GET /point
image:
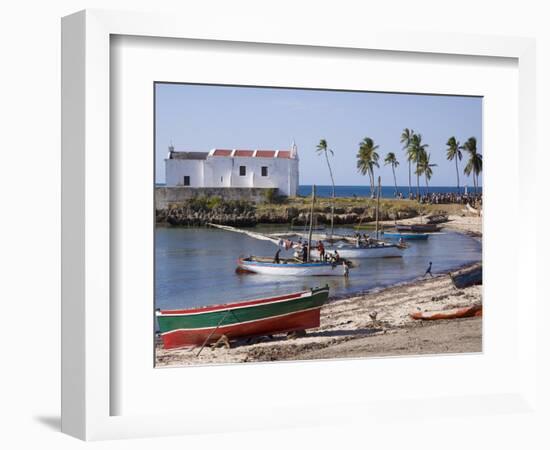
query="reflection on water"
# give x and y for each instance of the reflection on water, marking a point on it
(196, 266)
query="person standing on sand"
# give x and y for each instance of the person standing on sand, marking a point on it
(429, 270)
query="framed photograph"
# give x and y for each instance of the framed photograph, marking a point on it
(250, 218)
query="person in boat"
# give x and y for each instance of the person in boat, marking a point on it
(429, 270)
(304, 252)
(321, 250)
(401, 241)
(358, 240)
(336, 256)
(277, 259)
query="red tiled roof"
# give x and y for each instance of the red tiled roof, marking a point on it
(246, 153)
(284, 154)
(222, 152)
(265, 154)
(250, 153)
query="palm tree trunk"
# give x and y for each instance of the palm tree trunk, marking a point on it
(427, 187)
(394, 179)
(409, 178)
(371, 176)
(457, 178)
(333, 197)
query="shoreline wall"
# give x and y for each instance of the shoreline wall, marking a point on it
(170, 197)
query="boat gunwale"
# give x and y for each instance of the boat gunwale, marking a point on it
(240, 304)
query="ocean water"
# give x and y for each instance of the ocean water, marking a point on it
(196, 266)
(385, 191)
(364, 191)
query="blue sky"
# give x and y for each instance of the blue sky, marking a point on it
(199, 118)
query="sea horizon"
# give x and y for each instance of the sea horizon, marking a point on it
(387, 191)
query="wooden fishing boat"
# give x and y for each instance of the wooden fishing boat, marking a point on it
(380, 249)
(199, 326)
(468, 277)
(437, 218)
(418, 227)
(407, 236)
(291, 267)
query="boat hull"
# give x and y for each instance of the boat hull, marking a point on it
(408, 236)
(185, 328)
(468, 277)
(418, 227)
(388, 251)
(292, 270)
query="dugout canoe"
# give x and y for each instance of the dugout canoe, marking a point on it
(261, 317)
(470, 311)
(467, 277)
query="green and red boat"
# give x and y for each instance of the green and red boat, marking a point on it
(261, 317)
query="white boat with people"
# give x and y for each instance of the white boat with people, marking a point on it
(292, 267)
(380, 249)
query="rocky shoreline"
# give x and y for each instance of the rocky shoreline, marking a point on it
(250, 216)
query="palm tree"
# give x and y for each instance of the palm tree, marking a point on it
(416, 152)
(392, 159)
(425, 168)
(406, 138)
(322, 148)
(475, 161)
(367, 160)
(453, 152)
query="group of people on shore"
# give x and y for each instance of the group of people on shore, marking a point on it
(437, 198)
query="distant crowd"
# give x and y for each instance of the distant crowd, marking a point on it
(437, 198)
(450, 197)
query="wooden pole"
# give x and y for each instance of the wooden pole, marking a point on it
(310, 224)
(377, 207)
(212, 332)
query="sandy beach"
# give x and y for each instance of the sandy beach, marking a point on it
(348, 331)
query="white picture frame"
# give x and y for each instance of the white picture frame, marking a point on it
(87, 319)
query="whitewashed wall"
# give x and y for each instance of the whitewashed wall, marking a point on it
(282, 174)
(176, 169)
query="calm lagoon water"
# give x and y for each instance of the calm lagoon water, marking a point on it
(196, 266)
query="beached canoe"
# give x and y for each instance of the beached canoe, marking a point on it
(407, 236)
(467, 277)
(469, 311)
(266, 316)
(293, 267)
(418, 227)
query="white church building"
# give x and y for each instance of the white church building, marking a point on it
(234, 168)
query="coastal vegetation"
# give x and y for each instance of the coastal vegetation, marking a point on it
(424, 167)
(474, 165)
(406, 139)
(454, 153)
(367, 160)
(322, 148)
(392, 160)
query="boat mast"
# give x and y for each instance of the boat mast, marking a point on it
(377, 206)
(310, 223)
